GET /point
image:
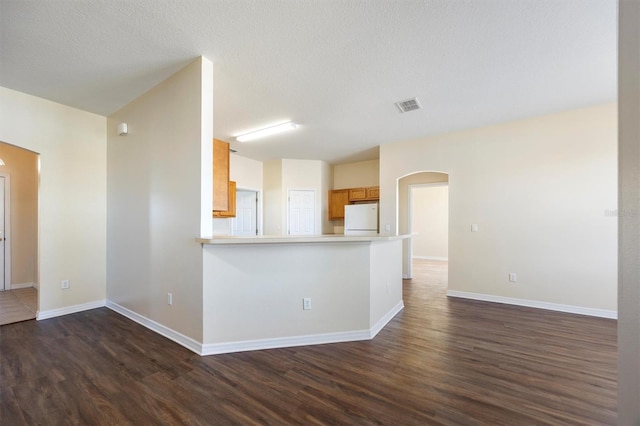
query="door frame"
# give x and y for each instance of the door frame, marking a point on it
(7, 230)
(315, 208)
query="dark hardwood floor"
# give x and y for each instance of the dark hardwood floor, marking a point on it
(439, 361)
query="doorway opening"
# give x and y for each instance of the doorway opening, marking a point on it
(408, 217)
(19, 175)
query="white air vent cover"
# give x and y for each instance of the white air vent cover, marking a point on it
(408, 105)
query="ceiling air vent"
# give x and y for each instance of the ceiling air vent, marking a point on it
(408, 105)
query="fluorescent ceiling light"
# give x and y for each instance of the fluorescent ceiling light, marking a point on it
(266, 132)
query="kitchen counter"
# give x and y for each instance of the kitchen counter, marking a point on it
(294, 239)
(254, 288)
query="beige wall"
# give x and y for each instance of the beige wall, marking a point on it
(159, 199)
(430, 221)
(72, 204)
(538, 189)
(273, 210)
(355, 175)
(22, 166)
(280, 176)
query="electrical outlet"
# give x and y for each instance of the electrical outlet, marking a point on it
(513, 277)
(306, 303)
(64, 284)
(387, 227)
(474, 227)
(169, 299)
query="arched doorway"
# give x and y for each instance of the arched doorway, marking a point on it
(404, 213)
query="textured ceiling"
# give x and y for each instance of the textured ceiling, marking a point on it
(336, 67)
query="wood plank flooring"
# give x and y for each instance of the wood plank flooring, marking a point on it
(18, 305)
(440, 361)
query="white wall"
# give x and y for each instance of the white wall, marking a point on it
(356, 175)
(430, 221)
(262, 306)
(159, 199)
(246, 172)
(538, 189)
(72, 203)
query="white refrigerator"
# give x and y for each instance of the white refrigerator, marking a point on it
(361, 219)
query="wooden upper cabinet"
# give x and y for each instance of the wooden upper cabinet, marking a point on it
(357, 194)
(373, 193)
(231, 212)
(220, 175)
(338, 198)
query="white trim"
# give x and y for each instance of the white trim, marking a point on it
(446, 259)
(253, 345)
(285, 342)
(23, 285)
(42, 315)
(406, 277)
(7, 230)
(313, 339)
(162, 330)
(602, 313)
(385, 319)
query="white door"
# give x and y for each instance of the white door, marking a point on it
(302, 204)
(246, 220)
(2, 235)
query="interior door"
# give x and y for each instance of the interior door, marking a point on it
(246, 220)
(302, 205)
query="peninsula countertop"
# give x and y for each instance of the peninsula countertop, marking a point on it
(297, 239)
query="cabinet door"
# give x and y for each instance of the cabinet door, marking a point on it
(220, 175)
(338, 198)
(232, 203)
(357, 194)
(373, 193)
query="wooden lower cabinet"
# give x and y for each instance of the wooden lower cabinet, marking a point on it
(338, 198)
(232, 203)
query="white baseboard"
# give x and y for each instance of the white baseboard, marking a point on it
(446, 259)
(163, 330)
(602, 313)
(385, 319)
(284, 342)
(23, 285)
(312, 339)
(406, 277)
(253, 345)
(42, 315)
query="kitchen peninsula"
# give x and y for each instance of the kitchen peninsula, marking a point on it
(254, 289)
